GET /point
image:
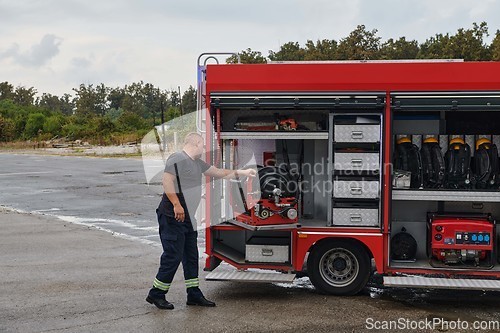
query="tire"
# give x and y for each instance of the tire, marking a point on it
(339, 267)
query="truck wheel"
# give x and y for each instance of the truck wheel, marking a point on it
(339, 267)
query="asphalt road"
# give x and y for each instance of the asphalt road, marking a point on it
(60, 270)
(106, 193)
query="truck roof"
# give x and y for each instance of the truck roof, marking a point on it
(400, 76)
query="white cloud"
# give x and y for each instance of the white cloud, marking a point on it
(38, 55)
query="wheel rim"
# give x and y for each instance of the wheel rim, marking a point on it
(339, 267)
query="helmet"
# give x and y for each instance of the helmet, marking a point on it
(483, 141)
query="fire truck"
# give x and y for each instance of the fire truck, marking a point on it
(394, 169)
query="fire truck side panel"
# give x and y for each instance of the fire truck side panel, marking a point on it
(307, 239)
(338, 78)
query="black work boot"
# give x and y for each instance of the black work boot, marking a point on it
(161, 303)
(195, 297)
(201, 301)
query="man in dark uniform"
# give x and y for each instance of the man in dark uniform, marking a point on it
(177, 224)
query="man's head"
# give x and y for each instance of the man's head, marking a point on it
(194, 144)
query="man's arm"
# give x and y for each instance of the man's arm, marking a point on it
(169, 189)
(228, 174)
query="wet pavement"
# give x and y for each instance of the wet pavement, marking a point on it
(61, 272)
(107, 193)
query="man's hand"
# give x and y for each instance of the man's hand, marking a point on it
(247, 173)
(179, 212)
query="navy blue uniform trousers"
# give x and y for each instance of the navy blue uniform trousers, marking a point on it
(179, 242)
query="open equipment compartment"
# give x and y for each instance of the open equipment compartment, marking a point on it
(267, 131)
(303, 131)
(453, 222)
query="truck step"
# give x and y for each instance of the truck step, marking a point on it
(440, 283)
(222, 274)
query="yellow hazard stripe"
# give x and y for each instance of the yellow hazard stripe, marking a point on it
(160, 285)
(192, 283)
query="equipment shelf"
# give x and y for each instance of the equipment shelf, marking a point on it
(288, 135)
(446, 195)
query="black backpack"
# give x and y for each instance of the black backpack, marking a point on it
(486, 165)
(457, 160)
(407, 158)
(432, 164)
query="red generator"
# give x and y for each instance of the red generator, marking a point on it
(461, 240)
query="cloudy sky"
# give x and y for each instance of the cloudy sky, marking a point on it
(54, 45)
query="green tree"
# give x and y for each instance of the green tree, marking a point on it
(114, 114)
(361, 44)
(7, 129)
(189, 100)
(290, 51)
(67, 104)
(129, 121)
(174, 99)
(115, 98)
(134, 99)
(172, 113)
(91, 100)
(153, 100)
(325, 49)
(34, 125)
(436, 47)
(103, 125)
(24, 96)
(399, 49)
(54, 124)
(467, 44)
(495, 47)
(247, 56)
(49, 102)
(6, 91)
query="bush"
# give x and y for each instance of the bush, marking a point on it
(76, 131)
(53, 125)
(103, 125)
(7, 129)
(34, 125)
(129, 121)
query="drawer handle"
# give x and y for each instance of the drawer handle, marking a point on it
(357, 135)
(357, 163)
(356, 218)
(267, 252)
(356, 190)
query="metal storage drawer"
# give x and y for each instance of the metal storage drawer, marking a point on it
(357, 133)
(356, 189)
(363, 217)
(267, 253)
(356, 161)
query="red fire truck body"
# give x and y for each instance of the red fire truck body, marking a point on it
(345, 234)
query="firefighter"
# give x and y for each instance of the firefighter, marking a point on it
(177, 224)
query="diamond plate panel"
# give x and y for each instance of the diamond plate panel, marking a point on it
(248, 276)
(355, 217)
(356, 161)
(440, 283)
(356, 189)
(266, 253)
(357, 133)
